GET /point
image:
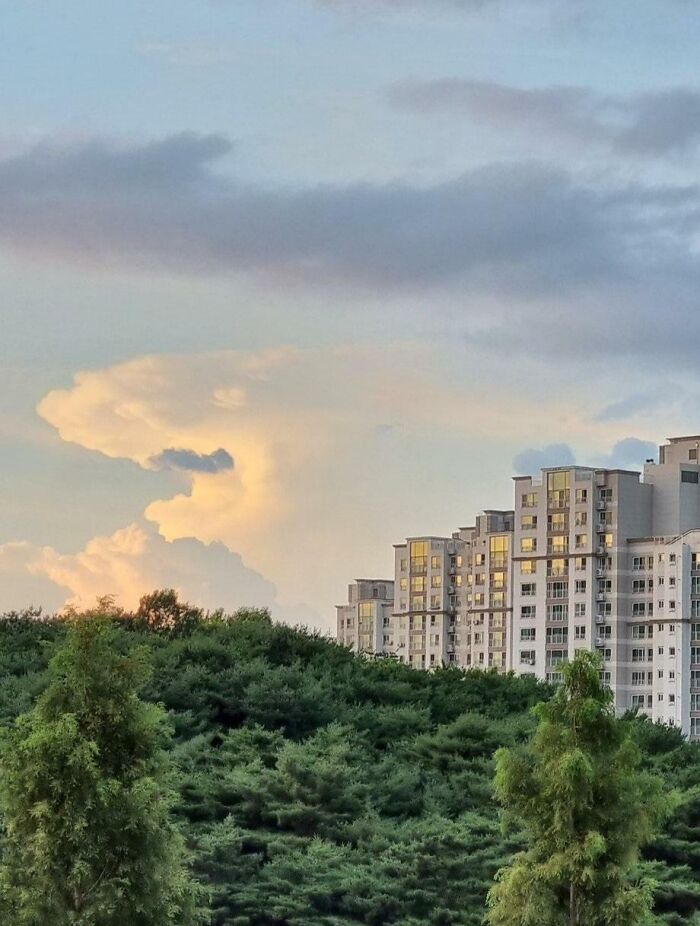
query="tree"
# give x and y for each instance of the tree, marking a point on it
(85, 801)
(586, 810)
(162, 610)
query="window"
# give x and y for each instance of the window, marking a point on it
(527, 657)
(558, 635)
(434, 602)
(435, 581)
(639, 632)
(479, 559)
(528, 544)
(638, 609)
(639, 586)
(558, 613)
(528, 522)
(403, 584)
(607, 540)
(580, 564)
(605, 495)
(404, 563)
(559, 544)
(639, 678)
(529, 500)
(527, 633)
(581, 518)
(557, 590)
(580, 632)
(558, 484)
(639, 655)
(497, 580)
(581, 496)
(580, 609)
(527, 567)
(689, 476)
(581, 541)
(435, 562)
(695, 654)
(527, 589)
(528, 611)
(580, 587)
(557, 567)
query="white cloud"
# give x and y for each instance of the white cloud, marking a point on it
(129, 563)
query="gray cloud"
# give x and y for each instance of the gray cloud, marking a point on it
(629, 453)
(628, 406)
(523, 227)
(569, 255)
(651, 124)
(188, 460)
(529, 462)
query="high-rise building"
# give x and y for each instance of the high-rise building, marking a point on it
(589, 558)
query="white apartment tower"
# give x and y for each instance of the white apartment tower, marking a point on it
(589, 558)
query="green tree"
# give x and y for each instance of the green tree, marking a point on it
(85, 801)
(162, 610)
(586, 810)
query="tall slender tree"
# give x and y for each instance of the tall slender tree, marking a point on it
(585, 808)
(85, 801)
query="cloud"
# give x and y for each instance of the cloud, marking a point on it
(629, 406)
(129, 563)
(529, 462)
(318, 490)
(628, 453)
(649, 125)
(190, 461)
(516, 231)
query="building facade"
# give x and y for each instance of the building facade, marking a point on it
(597, 559)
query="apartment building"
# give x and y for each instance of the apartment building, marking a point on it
(589, 558)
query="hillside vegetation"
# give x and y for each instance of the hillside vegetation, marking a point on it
(318, 788)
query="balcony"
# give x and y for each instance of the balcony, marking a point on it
(558, 499)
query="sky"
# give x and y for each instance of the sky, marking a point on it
(286, 281)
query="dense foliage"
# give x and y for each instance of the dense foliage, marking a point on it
(317, 788)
